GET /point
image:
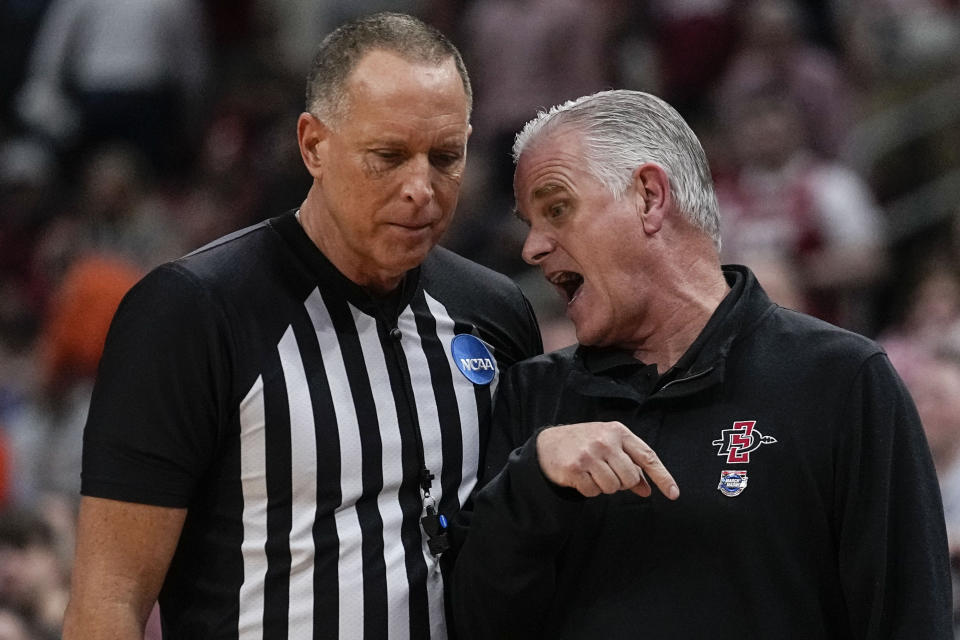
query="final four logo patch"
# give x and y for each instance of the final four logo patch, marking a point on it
(473, 358)
(732, 483)
(739, 441)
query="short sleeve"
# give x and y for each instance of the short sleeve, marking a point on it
(160, 403)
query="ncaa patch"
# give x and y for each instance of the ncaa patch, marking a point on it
(732, 483)
(473, 358)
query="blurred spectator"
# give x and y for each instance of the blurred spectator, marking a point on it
(28, 180)
(900, 40)
(131, 70)
(47, 432)
(6, 469)
(953, 241)
(786, 202)
(935, 386)
(523, 55)
(19, 20)
(13, 626)
(71, 341)
(526, 55)
(33, 577)
(224, 191)
(773, 50)
(247, 167)
(118, 210)
(17, 367)
(693, 43)
(232, 24)
(932, 308)
(296, 24)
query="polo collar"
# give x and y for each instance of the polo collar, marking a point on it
(702, 365)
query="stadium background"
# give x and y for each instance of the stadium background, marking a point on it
(132, 131)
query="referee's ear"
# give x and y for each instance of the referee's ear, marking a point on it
(312, 136)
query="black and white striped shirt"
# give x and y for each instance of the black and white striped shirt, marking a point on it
(253, 384)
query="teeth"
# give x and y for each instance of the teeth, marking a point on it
(568, 281)
(564, 277)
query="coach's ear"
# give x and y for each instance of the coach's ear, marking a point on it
(652, 196)
(312, 136)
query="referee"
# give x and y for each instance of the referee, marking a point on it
(285, 419)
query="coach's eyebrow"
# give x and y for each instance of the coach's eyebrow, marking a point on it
(546, 190)
(538, 194)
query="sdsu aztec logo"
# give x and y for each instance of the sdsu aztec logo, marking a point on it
(473, 358)
(739, 441)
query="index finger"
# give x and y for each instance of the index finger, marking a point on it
(645, 458)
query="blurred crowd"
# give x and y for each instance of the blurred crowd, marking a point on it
(132, 131)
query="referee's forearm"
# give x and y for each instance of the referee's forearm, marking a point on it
(102, 620)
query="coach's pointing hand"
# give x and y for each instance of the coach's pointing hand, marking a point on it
(601, 457)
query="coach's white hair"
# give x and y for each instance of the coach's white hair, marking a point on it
(623, 129)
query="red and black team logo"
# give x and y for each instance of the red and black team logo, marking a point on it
(740, 440)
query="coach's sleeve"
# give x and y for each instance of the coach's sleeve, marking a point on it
(159, 398)
(892, 539)
(505, 574)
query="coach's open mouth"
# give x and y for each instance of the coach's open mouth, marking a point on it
(568, 282)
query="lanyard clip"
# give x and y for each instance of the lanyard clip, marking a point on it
(435, 526)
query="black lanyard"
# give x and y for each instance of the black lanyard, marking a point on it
(433, 522)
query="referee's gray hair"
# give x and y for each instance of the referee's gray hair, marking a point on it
(341, 51)
(623, 129)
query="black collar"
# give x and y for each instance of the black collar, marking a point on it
(601, 360)
(329, 277)
(702, 364)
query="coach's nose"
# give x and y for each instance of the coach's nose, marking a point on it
(537, 246)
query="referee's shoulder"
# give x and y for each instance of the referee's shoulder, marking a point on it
(226, 254)
(445, 267)
(215, 271)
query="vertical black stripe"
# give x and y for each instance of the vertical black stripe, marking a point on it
(325, 540)
(410, 503)
(451, 430)
(276, 597)
(375, 621)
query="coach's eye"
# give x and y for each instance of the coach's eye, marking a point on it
(556, 210)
